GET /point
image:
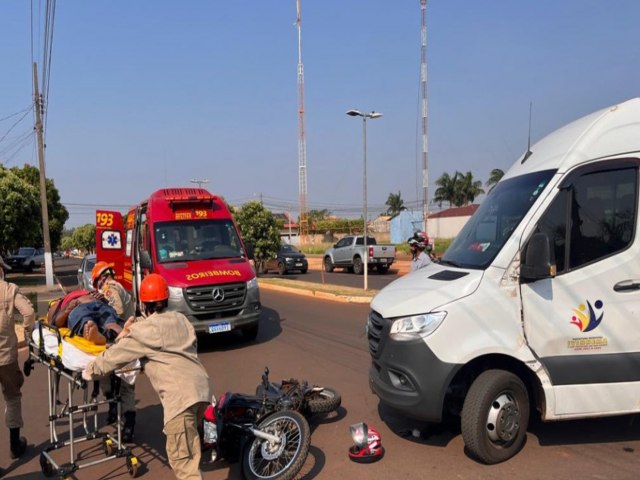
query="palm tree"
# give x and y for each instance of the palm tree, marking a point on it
(494, 177)
(395, 204)
(468, 189)
(446, 191)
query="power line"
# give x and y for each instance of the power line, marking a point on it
(14, 125)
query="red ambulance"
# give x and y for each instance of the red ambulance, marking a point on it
(188, 236)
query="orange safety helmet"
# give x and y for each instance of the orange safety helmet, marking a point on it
(154, 288)
(98, 270)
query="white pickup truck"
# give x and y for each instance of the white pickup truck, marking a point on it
(349, 253)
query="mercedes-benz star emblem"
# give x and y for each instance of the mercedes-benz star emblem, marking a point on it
(217, 294)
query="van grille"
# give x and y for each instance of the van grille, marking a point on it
(375, 327)
(207, 298)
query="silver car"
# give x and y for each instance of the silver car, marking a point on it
(84, 272)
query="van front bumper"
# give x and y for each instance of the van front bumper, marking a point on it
(409, 378)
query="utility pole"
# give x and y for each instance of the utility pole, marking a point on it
(199, 181)
(48, 260)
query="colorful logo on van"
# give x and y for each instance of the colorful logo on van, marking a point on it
(589, 320)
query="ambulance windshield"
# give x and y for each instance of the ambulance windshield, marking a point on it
(183, 241)
(490, 227)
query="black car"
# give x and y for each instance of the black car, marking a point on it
(289, 258)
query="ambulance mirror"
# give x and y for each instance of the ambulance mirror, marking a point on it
(145, 260)
(539, 261)
(250, 250)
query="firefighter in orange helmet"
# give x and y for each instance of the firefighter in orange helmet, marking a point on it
(165, 342)
(104, 281)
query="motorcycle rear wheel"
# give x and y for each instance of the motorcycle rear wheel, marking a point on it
(324, 401)
(263, 460)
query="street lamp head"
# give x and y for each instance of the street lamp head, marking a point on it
(355, 113)
(374, 115)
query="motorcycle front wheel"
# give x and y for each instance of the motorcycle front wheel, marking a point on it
(280, 460)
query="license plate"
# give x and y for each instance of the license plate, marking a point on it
(298, 264)
(219, 327)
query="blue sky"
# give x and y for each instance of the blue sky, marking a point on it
(150, 94)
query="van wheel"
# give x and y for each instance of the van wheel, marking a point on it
(328, 264)
(495, 416)
(358, 267)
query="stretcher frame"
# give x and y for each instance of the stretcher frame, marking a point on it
(113, 447)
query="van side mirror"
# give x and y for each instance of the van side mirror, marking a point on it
(539, 260)
(145, 260)
(250, 250)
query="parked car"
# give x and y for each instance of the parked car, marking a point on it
(289, 258)
(349, 253)
(84, 272)
(27, 258)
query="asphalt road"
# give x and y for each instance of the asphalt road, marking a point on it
(324, 342)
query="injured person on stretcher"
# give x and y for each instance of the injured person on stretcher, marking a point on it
(88, 315)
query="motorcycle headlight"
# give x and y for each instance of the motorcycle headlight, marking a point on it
(175, 293)
(408, 328)
(253, 283)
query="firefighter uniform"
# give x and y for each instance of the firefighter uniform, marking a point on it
(11, 378)
(166, 345)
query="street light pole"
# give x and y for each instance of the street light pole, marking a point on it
(365, 116)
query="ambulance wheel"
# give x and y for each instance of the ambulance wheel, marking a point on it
(45, 466)
(495, 416)
(250, 333)
(107, 447)
(132, 466)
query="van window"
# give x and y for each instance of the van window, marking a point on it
(601, 209)
(484, 235)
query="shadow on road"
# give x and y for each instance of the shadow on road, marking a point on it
(269, 329)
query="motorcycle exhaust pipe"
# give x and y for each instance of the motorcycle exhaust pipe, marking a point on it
(265, 436)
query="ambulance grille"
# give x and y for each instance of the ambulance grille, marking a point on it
(216, 298)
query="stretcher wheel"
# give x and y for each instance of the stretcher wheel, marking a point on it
(107, 445)
(45, 466)
(132, 466)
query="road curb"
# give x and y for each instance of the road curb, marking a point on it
(316, 293)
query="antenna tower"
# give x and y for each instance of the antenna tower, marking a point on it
(423, 98)
(302, 143)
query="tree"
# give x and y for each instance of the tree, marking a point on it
(19, 212)
(315, 216)
(259, 228)
(447, 188)
(467, 189)
(58, 214)
(395, 204)
(494, 177)
(84, 237)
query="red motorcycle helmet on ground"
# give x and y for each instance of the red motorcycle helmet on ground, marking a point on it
(368, 444)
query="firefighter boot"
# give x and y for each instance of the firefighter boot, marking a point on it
(18, 444)
(129, 425)
(112, 416)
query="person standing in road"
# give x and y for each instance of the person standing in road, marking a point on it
(104, 281)
(166, 345)
(418, 244)
(11, 377)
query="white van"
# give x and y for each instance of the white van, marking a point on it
(535, 305)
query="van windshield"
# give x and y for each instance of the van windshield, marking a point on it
(196, 240)
(486, 232)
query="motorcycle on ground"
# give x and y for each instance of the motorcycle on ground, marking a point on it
(299, 395)
(271, 441)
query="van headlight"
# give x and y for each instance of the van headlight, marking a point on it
(175, 293)
(253, 283)
(407, 328)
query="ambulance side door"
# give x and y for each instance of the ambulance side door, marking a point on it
(584, 324)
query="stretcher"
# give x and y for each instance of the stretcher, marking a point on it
(65, 357)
